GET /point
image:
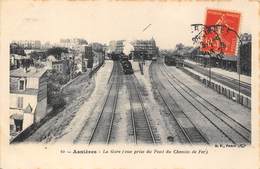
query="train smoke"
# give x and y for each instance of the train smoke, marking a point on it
(128, 47)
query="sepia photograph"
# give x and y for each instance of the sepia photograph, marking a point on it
(151, 73)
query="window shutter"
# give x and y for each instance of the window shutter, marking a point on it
(20, 102)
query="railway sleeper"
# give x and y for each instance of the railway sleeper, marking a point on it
(194, 135)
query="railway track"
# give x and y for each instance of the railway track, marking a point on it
(142, 129)
(111, 74)
(232, 129)
(186, 130)
(103, 125)
(245, 88)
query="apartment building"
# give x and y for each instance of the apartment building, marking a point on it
(28, 98)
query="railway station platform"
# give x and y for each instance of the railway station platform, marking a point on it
(234, 75)
(227, 87)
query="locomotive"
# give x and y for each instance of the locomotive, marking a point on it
(127, 66)
(114, 56)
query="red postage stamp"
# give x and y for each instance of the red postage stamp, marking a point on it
(220, 34)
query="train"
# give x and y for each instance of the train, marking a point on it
(115, 56)
(174, 60)
(127, 66)
(118, 56)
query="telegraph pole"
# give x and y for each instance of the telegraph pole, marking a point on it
(239, 69)
(209, 69)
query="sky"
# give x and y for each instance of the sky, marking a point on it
(105, 21)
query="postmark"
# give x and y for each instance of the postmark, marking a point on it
(219, 35)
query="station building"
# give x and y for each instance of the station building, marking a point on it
(226, 62)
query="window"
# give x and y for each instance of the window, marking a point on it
(11, 127)
(21, 84)
(20, 102)
(19, 125)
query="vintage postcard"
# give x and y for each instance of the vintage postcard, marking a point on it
(130, 84)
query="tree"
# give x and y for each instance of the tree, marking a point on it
(56, 52)
(38, 55)
(55, 96)
(179, 46)
(58, 78)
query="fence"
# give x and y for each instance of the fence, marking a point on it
(229, 93)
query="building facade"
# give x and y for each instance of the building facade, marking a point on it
(17, 61)
(116, 47)
(74, 43)
(29, 44)
(61, 66)
(28, 98)
(145, 48)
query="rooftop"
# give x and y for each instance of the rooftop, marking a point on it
(31, 72)
(27, 91)
(228, 58)
(16, 56)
